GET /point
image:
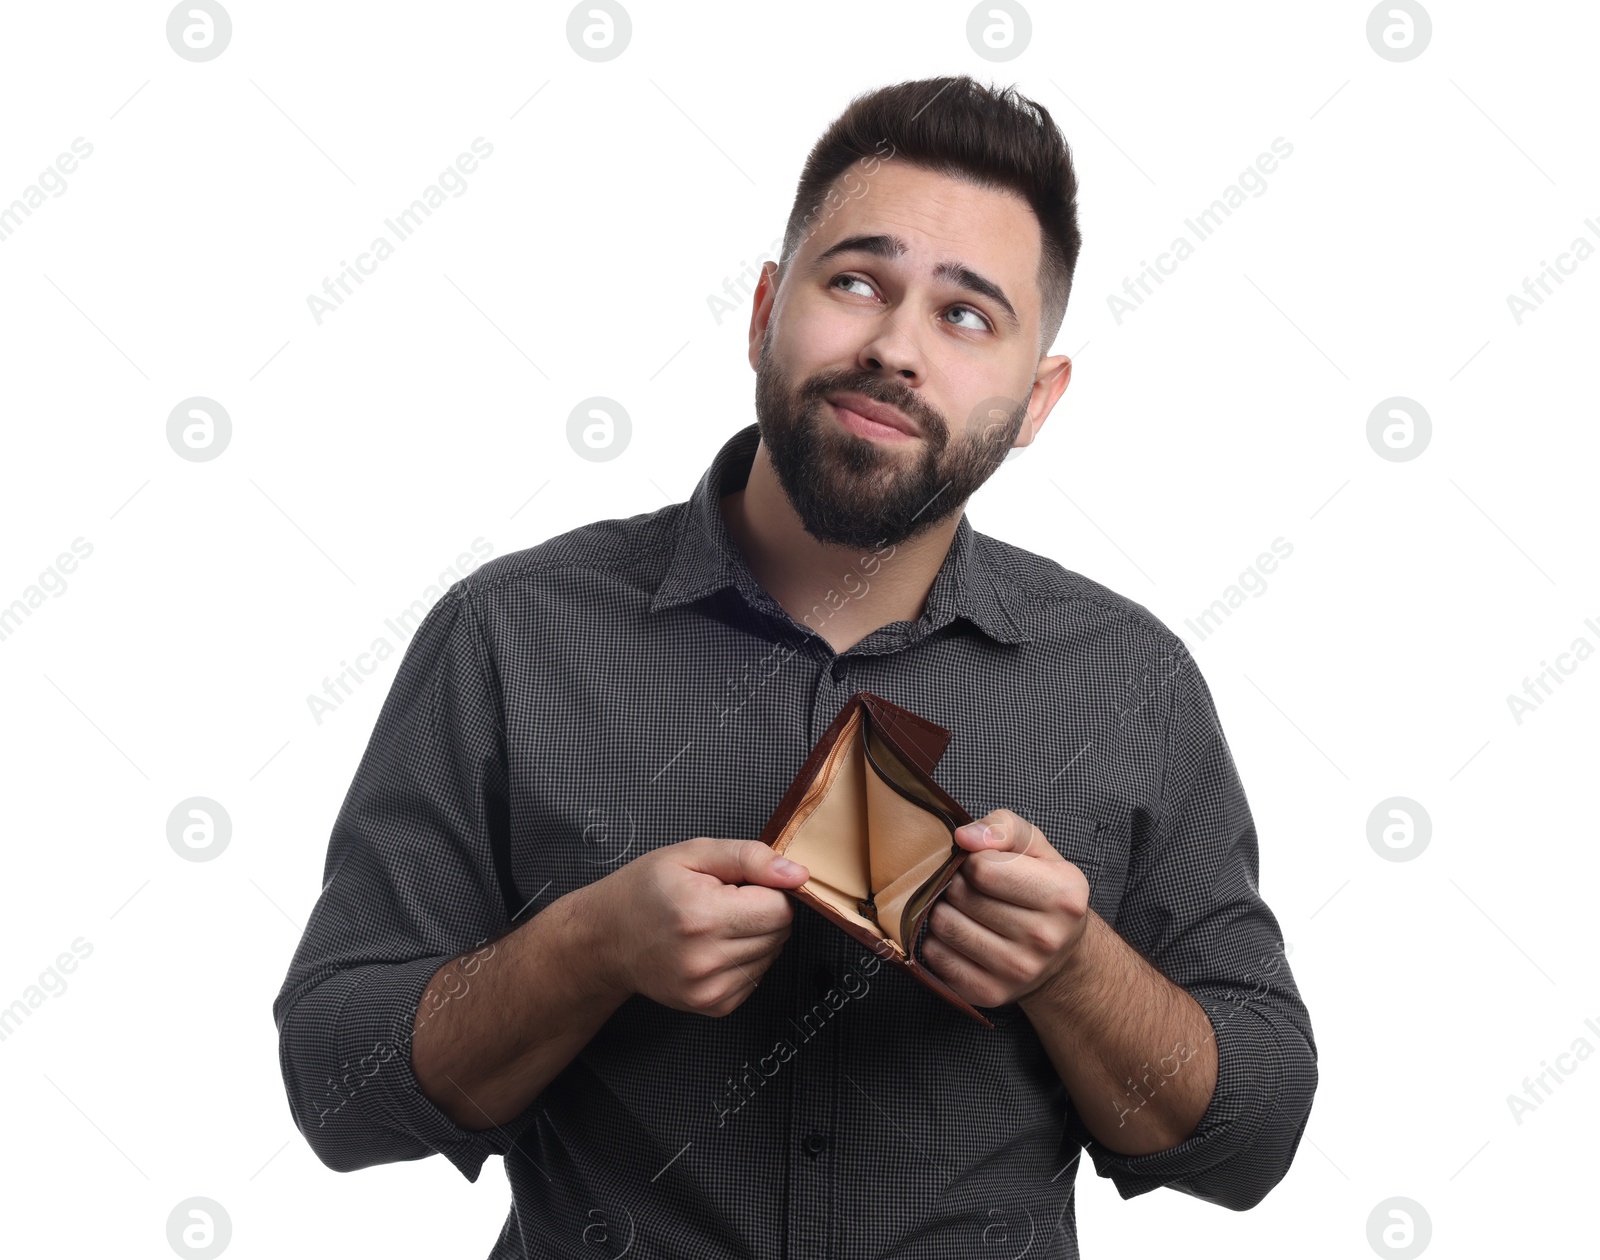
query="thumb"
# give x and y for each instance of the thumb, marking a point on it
(746, 862)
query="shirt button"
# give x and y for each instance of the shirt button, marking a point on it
(815, 1143)
(822, 978)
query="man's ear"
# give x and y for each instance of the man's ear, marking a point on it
(761, 309)
(1049, 384)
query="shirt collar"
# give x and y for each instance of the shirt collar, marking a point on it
(705, 559)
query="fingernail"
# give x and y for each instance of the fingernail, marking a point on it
(785, 867)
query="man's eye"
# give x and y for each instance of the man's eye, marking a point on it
(981, 323)
(837, 280)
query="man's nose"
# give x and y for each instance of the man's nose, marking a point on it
(892, 350)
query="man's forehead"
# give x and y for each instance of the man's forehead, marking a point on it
(935, 216)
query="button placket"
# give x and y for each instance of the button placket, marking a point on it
(812, 1093)
(827, 694)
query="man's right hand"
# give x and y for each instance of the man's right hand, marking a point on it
(696, 924)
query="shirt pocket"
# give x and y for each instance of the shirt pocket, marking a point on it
(1096, 846)
(1099, 848)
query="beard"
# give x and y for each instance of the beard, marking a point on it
(854, 492)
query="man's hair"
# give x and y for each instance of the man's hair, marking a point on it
(956, 126)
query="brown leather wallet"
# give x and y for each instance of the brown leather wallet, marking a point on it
(865, 817)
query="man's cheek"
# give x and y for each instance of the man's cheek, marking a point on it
(819, 332)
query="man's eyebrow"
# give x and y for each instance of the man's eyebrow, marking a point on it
(959, 274)
(880, 245)
(964, 277)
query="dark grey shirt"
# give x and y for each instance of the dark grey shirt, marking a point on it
(628, 685)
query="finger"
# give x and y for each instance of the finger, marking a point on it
(1027, 882)
(729, 911)
(746, 963)
(751, 954)
(743, 862)
(984, 948)
(749, 910)
(960, 972)
(1005, 831)
(1002, 915)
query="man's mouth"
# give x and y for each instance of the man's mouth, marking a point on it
(868, 418)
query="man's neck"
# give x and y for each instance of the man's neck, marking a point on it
(825, 586)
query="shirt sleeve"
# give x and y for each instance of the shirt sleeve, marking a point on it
(409, 883)
(1193, 909)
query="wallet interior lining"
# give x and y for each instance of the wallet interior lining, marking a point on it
(858, 829)
(895, 769)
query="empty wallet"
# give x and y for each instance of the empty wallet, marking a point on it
(867, 820)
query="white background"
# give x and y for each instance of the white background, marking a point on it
(430, 409)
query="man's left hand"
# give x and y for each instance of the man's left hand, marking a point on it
(1011, 919)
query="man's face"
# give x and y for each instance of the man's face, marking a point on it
(919, 293)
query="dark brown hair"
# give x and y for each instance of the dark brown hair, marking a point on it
(956, 126)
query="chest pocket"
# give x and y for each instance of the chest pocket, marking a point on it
(1099, 849)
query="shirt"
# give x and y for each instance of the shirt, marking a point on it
(629, 684)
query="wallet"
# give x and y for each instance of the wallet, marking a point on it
(866, 818)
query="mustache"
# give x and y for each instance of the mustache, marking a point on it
(879, 390)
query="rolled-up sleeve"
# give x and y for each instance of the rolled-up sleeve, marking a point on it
(409, 883)
(1192, 907)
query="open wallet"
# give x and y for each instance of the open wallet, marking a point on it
(865, 817)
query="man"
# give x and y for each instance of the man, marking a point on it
(547, 932)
